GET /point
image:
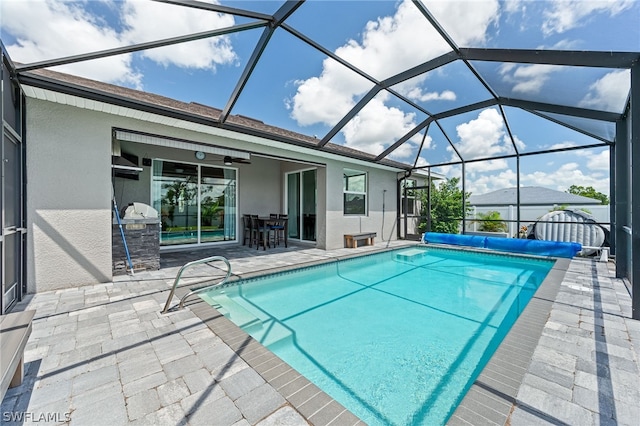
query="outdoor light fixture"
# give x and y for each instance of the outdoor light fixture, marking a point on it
(227, 161)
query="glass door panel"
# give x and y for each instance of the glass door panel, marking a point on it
(293, 204)
(197, 204)
(217, 204)
(309, 205)
(11, 206)
(175, 196)
(301, 205)
(11, 252)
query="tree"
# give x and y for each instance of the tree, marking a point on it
(491, 222)
(446, 207)
(588, 191)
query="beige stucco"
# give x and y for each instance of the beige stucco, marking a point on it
(68, 197)
(69, 210)
(339, 224)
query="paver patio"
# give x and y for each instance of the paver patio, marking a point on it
(104, 354)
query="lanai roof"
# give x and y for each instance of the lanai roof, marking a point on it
(384, 107)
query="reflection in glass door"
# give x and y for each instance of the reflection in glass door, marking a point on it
(197, 204)
(217, 204)
(301, 204)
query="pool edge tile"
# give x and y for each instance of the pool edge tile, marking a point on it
(531, 322)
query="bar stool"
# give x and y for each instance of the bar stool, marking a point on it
(278, 228)
(258, 232)
(246, 233)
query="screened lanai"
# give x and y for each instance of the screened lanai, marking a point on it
(495, 94)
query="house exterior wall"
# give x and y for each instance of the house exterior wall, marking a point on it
(339, 224)
(68, 197)
(69, 210)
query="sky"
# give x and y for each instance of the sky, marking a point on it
(301, 89)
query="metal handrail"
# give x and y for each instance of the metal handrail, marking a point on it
(188, 265)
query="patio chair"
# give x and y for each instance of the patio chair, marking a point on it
(258, 230)
(246, 233)
(278, 228)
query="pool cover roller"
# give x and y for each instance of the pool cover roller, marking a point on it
(514, 245)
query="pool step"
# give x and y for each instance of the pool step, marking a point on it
(269, 333)
(232, 310)
(410, 254)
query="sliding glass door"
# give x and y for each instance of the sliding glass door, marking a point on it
(301, 204)
(197, 204)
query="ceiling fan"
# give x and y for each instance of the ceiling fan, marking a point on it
(230, 160)
(227, 159)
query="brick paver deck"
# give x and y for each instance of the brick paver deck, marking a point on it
(104, 354)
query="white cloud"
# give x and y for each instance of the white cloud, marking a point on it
(327, 98)
(558, 179)
(564, 44)
(417, 94)
(568, 14)
(566, 175)
(491, 182)
(561, 145)
(515, 6)
(377, 126)
(483, 136)
(56, 28)
(599, 161)
(149, 20)
(422, 162)
(405, 153)
(527, 79)
(486, 166)
(594, 159)
(466, 22)
(609, 93)
(51, 29)
(387, 47)
(519, 143)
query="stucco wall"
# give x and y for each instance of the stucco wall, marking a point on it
(69, 190)
(338, 224)
(68, 197)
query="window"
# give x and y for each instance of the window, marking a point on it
(355, 192)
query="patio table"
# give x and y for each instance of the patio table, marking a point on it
(267, 222)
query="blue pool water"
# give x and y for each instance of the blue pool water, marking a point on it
(396, 337)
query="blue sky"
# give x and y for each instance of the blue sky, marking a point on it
(299, 88)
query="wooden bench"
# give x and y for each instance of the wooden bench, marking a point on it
(351, 240)
(15, 329)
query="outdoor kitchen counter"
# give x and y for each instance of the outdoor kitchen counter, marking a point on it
(143, 241)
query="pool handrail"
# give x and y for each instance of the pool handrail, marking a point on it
(188, 265)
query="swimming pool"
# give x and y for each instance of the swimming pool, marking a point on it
(396, 337)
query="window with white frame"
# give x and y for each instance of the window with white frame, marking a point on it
(355, 192)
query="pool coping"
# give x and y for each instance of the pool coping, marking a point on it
(491, 397)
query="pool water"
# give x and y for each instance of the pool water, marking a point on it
(396, 337)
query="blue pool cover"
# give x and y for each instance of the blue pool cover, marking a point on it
(514, 245)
